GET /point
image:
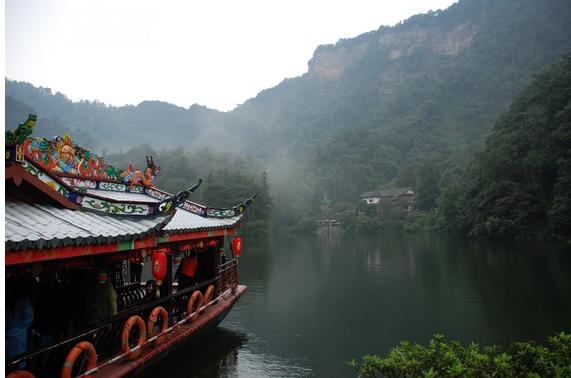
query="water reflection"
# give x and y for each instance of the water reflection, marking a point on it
(314, 303)
(329, 236)
(221, 348)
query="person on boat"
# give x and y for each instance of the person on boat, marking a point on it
(186, 272)
(151, 290)
(19, 317)
(105, 298)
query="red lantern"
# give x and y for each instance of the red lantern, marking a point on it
(237, 247)
(159, 260)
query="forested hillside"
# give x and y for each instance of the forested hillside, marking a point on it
(520, 185)
(373, 109)
(156, 121)
(400, 105)
(228, 180)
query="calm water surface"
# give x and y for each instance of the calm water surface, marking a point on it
(314, 303)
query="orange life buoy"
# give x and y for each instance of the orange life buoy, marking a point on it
(158, 311)
(208, 295)
(20, 374)
(83, 347)
(125, 347)
(194, 303)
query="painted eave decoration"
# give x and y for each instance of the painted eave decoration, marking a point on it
(88, 187)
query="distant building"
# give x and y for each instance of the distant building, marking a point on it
(392, 195)
(371, 198)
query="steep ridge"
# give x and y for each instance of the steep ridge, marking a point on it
(370, 109)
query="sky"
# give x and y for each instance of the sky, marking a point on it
(214, 53)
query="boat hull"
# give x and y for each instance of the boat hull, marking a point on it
(180, 336)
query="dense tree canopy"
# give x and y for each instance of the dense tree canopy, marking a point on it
(520, 185)
(228, 180)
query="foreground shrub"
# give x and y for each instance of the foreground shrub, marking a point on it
(443, 358)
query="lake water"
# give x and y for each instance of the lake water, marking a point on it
(316, 302)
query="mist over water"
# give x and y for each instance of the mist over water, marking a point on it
(314, 303)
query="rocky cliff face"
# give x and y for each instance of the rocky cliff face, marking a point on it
(329, 62)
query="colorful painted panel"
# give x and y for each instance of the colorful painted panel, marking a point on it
(62, 155)
(136, 189)
(194, 208)
(116, 208)
(220, 213)
(45, 179)
(157, 194)
(14, 153)
(112, 186)
(236, 210)
(79, 183)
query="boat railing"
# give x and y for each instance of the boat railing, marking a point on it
(228, 274)
(106, 335)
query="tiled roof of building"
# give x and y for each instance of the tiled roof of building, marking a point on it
(185, 221)
(392, 192)
(396, 192)
(370, 195)
(123, 196)
(61, 194)
(182, 221)
(44, 226)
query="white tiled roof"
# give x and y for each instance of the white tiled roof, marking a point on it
(123, 196)
(40, 226)
(186, 221)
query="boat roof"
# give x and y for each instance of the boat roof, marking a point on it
(32, 225)
(61, 194)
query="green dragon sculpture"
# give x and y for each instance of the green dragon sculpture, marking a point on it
(23, 131)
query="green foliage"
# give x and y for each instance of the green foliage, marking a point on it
(520, 185)
(390, 216)
(443, 358)
(395, 113)
(228, 180)
(428, 187)
(226, 188)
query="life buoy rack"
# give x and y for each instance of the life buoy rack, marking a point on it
(158, 311)
(194, 303)
(82, 347)
(20, 374)
(134, 320)
(208, 295)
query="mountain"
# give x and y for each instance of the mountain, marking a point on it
(113, 128)
(372, 108)
(370, 111)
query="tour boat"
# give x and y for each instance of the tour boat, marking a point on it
(78, 233)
